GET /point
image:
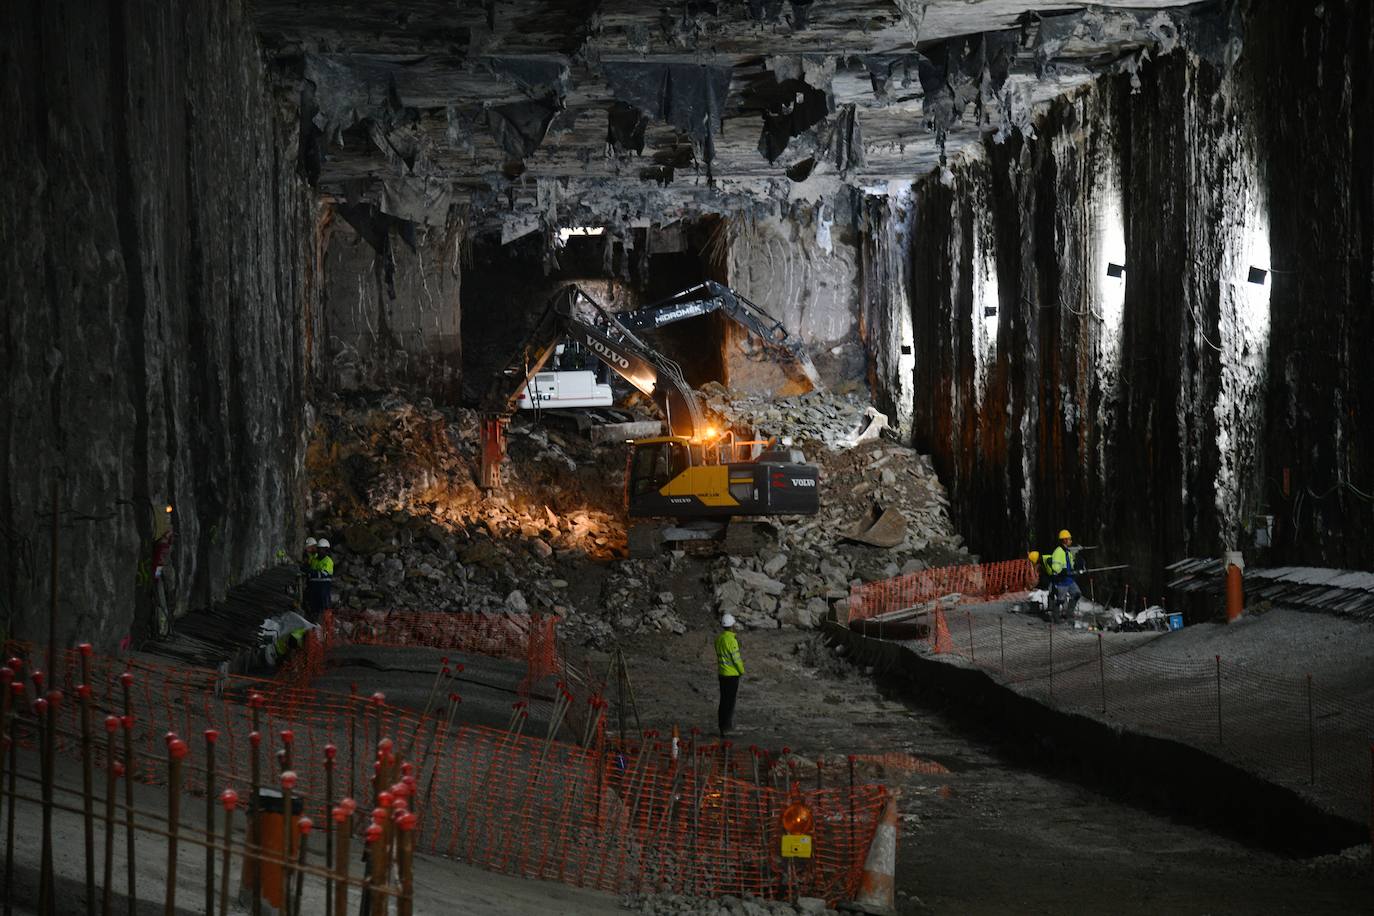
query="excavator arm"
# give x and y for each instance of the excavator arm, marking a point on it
(710, 296)
(573, 314)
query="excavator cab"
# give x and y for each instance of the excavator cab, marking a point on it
(680, 477)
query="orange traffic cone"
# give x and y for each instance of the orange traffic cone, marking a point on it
(942, 641)
(878, 888)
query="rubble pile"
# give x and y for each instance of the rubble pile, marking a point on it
(796, 582)
(394, 489)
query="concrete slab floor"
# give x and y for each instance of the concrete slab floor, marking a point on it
(989, 836)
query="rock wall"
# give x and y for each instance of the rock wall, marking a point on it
(1159, 410)
(155, 276)
(803, 270)
(391, 311)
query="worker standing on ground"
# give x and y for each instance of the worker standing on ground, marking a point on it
(319, 582)
(730, 668)
(1060, 566)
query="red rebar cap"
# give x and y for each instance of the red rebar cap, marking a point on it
(287, 736)
(127, 722)
(288, 780)
(385, 798)
(15, 664)
(177, 749)
(229, 799)
(85, 649)
(454, 698)
(83, 691)
(399, 805)
(40, 706)
(446, 672)
(385, 745)
(37, 678)
(409, 782)
(254, 738)
(407, 768)
(339, 814)
(374, 833)
(378, 698)
(211, 736)
(112, 724)
(169, 737)
(379, 816)
(256, 699)
(127, 679)
(461, 667)
(305, 825)
(407, 821)
(17, 688)
(330, 752)
(400, 790)
(118, 770)
(443, 660)
(348, 805)
(55, 698)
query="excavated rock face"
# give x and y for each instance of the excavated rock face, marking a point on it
(154, 282)
(1090, 349)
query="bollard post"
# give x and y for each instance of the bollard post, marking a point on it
(229, 799)
(288, 783)
(211, 736)
(341, 816)
(376, 846)
(83, 693)
(1311, 738)
(1102, 673)
(293, 905)
(16, 693)
(405, 862)
(176, 752)
(112, 769)
(329, 753)
(126, 681)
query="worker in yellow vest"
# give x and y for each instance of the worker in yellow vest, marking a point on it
(730, 668)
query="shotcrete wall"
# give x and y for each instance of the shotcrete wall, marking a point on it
(1160, 412)
(154, 275)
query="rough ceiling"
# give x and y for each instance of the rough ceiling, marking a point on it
(507, 103)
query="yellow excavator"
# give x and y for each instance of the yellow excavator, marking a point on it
(697, 483)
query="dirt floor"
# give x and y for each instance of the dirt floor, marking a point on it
(988, 836)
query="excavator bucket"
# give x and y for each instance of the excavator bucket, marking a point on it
(879, 528)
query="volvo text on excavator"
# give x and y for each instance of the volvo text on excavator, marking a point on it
(699, 477)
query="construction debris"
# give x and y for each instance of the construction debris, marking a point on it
(748, 905)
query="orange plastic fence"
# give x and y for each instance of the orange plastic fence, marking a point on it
(970, 583)
(701, 818)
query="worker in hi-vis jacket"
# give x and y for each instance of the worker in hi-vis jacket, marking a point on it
(730, 667)
(1061, 567)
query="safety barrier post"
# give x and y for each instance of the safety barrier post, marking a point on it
(83, 692)
(971, 657)
(176, 752)
(210, 737)
(329, 754)
(1002, 641)
(229, 799)
(112, 770)
(126, 681)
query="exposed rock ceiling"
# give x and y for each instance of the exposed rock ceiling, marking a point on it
(509, 102)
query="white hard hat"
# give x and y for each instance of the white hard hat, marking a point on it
(323, 543)
(727, 621)
(310, 542)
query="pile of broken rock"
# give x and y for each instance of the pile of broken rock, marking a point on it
(748, 905)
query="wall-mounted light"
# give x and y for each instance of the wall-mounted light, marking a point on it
(989, 311)
(1116, 271)
(906, 349)
(1258, 276)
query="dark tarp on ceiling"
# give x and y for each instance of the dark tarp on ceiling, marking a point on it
(789, 108)
(536, 77)
(625, 126)
(519, 127)
(691, 97)
(955, 72)
(883, 68)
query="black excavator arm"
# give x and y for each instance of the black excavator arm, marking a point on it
(573, 314)
(710, 296)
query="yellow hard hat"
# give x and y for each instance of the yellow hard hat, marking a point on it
(1064, 534)
(1033, 556)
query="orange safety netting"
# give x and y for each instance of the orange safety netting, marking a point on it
(961, 584)
(659, 815)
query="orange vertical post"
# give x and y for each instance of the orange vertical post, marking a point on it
(1235, 593)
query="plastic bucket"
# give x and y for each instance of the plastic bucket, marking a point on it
(1176, 621)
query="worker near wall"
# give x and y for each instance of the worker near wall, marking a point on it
(319, 581)
(730, 668)
(1061, 566)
